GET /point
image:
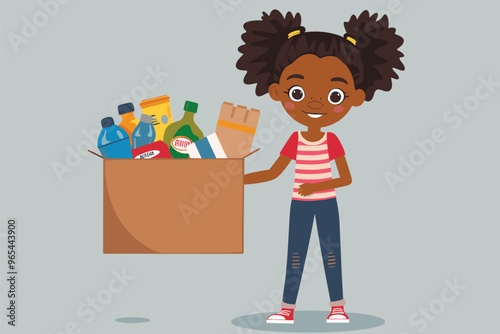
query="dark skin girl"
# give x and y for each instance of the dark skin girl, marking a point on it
(316, 92)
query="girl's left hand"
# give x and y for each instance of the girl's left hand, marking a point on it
(306, 189)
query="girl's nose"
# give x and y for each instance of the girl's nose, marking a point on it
(315, 105)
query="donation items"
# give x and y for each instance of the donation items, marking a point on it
(156, 135)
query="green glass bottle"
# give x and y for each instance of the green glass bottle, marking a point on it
(182, 133)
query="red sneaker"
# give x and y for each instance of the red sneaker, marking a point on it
(285, 316)
(337, 315)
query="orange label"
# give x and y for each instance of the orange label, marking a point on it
(236, 126)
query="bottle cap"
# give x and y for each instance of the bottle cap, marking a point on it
(107, 122)
(146, 118)
(191, 106)
(125, 108)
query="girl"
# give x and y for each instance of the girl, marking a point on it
(317, 77)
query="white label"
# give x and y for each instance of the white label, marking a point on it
(180, 143)
(148, 154)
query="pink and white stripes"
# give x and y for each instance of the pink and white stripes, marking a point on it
(312, 165)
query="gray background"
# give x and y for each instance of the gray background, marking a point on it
(398, 246)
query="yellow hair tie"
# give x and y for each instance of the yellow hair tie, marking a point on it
(293, 33)
(352, 40)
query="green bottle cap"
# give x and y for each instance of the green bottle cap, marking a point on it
(191, 106)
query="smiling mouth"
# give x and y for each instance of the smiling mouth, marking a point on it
(313, 115)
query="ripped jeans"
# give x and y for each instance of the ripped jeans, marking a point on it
(302, 214)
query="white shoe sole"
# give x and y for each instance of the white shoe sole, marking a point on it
(328, 321)
(279, 321)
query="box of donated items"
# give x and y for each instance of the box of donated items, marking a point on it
(164, 198)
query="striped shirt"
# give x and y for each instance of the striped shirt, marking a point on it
(312, 162)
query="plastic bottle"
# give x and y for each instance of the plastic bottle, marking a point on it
(129, 122)
(179, 135)
(144, 132)
(113, 141)
(159, 108)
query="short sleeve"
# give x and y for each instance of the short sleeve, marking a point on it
(290, 148)
(335, 148)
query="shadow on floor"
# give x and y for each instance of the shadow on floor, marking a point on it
(308, 321)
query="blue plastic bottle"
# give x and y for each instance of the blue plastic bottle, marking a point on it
(144, 133)
(113, 142)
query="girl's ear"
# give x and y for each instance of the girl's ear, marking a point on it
(274, 92)
(358, 97)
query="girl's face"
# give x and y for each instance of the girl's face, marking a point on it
(317, 92)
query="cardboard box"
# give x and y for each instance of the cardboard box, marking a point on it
(173, 206)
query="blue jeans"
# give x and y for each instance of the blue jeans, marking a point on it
(302, 214)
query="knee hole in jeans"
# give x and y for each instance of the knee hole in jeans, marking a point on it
(331, 261)
(295, 260)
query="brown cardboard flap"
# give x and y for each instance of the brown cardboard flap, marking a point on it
(100, 156)
(249, 154)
